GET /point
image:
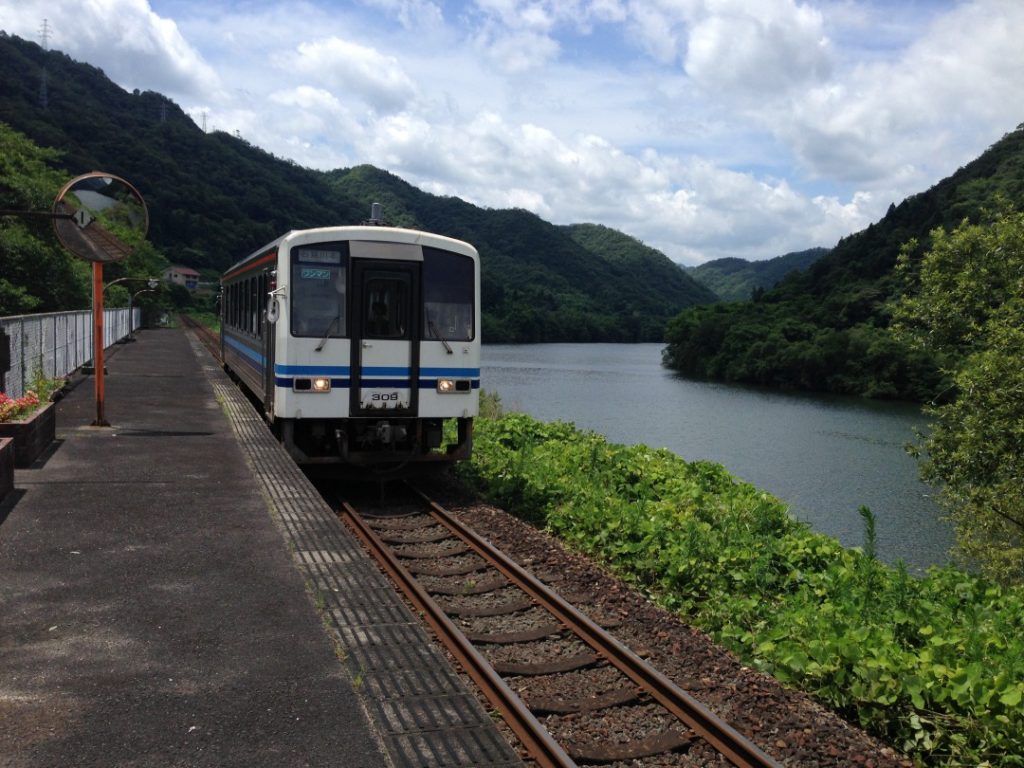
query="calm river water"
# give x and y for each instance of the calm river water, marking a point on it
(824, 456)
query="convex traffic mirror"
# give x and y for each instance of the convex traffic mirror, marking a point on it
(100, 217)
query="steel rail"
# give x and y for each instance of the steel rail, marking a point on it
(739, 750)
(208, 338)
(535, 738)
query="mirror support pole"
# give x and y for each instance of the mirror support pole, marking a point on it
(97, 340)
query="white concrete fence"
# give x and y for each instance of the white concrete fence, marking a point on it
(56, 344)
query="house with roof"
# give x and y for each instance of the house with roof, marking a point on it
(185, 276)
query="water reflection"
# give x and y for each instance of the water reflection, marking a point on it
(823, 455)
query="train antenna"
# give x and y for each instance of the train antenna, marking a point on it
(376, 215)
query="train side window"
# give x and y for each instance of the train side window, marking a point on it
(385, 308)
(261, 291)
(318, 290)
(242, 296)
(448, 281)
(254, 305)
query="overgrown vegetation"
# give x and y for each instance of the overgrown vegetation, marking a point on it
(205, 317)
(966, 304)
(934, 666)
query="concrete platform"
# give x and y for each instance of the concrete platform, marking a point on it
(173, 592)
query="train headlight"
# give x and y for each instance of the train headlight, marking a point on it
(317, 384)
(451, 386)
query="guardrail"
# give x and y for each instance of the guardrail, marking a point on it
(54, 344)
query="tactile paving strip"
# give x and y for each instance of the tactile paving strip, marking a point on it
(421, 709)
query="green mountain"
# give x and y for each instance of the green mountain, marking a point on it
(214, 198)
(660, 276)
(826, 328)
(735, 279)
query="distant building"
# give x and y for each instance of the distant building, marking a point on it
(182, 276)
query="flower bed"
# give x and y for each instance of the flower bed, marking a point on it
(32, 426)
(12, 409)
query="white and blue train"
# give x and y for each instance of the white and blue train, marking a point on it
(359, 342)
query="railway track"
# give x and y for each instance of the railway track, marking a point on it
(209, 339)
(556, 676)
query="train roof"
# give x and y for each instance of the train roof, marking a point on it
(359, 232)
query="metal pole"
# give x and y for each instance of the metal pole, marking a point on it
(97, 341)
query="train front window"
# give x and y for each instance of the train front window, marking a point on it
(385, 304)
(447, 295)
(317, 294)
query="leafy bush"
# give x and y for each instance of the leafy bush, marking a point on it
(932, 665)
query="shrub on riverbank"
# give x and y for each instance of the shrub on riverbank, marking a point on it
(932, 665)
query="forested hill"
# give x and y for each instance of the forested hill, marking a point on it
(624, 252)
(735, 279)
(826, 328)
(214, 197)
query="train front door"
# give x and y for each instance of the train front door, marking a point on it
(385, 355)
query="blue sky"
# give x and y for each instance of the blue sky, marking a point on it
(705, 128)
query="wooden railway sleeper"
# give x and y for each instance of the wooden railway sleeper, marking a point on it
(734, 746)
(534, 737)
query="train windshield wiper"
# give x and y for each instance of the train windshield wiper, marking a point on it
(442, 339)
(327, 333)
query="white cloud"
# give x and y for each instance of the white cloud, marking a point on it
(352, 69)
(134, 46)
(906, 122)
(703, 127)
(411, 14)
(522, 35)
(493, 163)
(757, 52)
(516, 51)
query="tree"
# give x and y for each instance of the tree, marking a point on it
(968, 307)
(36, 274)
